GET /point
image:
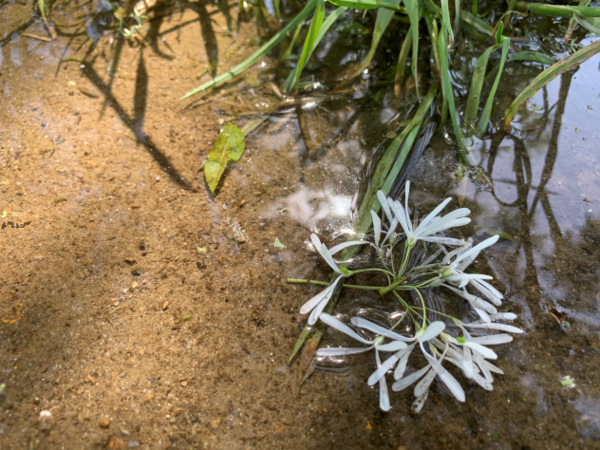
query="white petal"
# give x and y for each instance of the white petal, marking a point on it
(405, 382)
(475, 250)
(423, 385)
(492, 339)
(376, 227)
(443, 240)
(445, 376)
(336, 248)
(484, 316)
(431, 331)
(392, 228)
(384, 204)
(341, 326)
(431, 215)
(496, 326)
(483, 382)
(391, 347)
(418, 404)
(492, 368)
(327, 257)
(504, 316)
(401, 368)
(309, 305)
(367, 325)
(488, 291)
(384, 396)
(314, 315)
(441, 225)
(401, 217)
(484, 351)
(383, 368)
(333, 351)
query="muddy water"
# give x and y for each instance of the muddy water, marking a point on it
(117, 325)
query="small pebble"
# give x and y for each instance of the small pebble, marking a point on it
(104, 421)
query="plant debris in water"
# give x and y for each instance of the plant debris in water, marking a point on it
(414, 258)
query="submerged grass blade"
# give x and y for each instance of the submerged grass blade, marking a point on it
(557, 10)
(476, 23)
(309, 44)
(487, 110)
(449, 94)
(548, 75)
(368, 4)
(476, 86)
(324, 28)
(414, 15)
(401, 66)
(261, 52)
(384, 16)
(529, 55)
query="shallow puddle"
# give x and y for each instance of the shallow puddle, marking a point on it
(141, 310)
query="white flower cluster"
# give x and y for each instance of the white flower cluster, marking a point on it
(465, 345)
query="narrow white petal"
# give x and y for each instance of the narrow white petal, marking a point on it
(504, 316)
(483, 382)
(333, 351)
(423, 385)
(384, 204)
(484, 315)
(496, 326)
(316, 241)
(431, 215)
(431, 257)
(443, 240)
(492, 368)
(327, 257)
(376, 227)
(316, 312)
(484, 351)
(384, 396)
(341, 326)
(464, 248)
(401, 217)
(478, 359)
(445, 376)
(392, 346)
(492, 339)
(336, 248)
(489, 241)
(309, 305)
(367, 325)
(431, 331)
(405, 382)
(418, 404)
(391, 230)
(488, 291)
(383, 368)
(401, 368)
(441, 225)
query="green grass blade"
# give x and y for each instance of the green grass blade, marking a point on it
(528, 55)
(475, 5)
(550, 74)
(401, 65)
(294, 76)
(476, 23)
(367, 4)
(277, 6)
(384, 16)
(487, 110)
(457, 9)
(557, 10)
(288, 50)
(573, 22)
(433, 35)
(309, 44)
(446, 20)
(589, 23)
(476, 86)
(261, 52)
(413, 7)
(449, 94)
